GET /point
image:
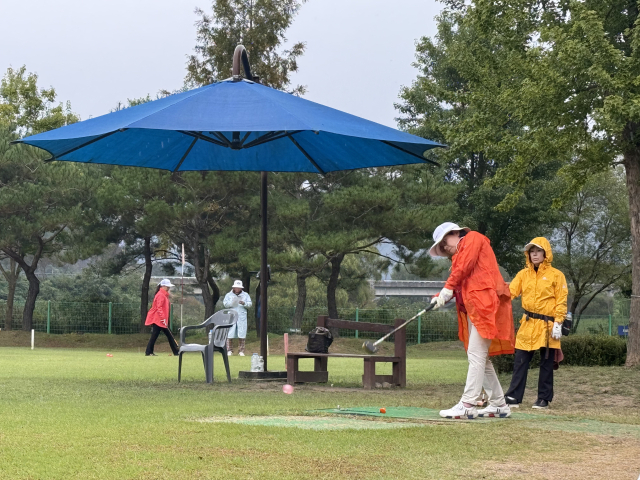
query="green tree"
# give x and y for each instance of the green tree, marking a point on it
(135, 208)
(567, 72)
(43, 206)
(364, 208)
(454, 100)
(11, 273)
(260, 25)
(592, 241)
(209, 203)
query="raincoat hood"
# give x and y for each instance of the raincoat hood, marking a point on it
(544, 244)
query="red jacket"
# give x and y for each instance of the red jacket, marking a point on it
(482, 294)
(159, 313)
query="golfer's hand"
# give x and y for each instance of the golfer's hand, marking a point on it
(241, 302)
(557, 331)
(443, 297)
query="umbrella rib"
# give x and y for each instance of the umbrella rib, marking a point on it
(270, 137)
(244, 139)
(54, 157)
(306, 154)
(409, 153)
(264, 138)
(199, 136)
(222, 138)
(184, 157)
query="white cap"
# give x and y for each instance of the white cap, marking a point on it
(237, 284)
(439, 233)
(166, 283)
(528, 246)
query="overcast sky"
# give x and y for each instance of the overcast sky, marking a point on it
(98, 53)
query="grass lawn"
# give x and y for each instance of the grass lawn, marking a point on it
(76, 413)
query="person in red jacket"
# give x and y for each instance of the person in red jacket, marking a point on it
(485, 320)
(158, 318)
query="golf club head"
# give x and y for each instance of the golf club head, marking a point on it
(370, 347)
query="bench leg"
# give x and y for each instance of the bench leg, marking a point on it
(292, 369)
(368, 379)
(400, 373)
(320, 364)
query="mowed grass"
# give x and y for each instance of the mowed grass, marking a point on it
(76, 413)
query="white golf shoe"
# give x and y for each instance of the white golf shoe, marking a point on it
(497, 412)
(459, 411)
(241, 354)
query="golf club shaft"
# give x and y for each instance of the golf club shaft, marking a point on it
(404, 324)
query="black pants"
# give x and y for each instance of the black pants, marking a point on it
(154, 336)
(521, 368)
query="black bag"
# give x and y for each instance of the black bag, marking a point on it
(319, 341)
(567, 324)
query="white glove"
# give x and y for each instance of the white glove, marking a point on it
(443, 297)
(557, 331)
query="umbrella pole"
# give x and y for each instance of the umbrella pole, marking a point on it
(263, 268)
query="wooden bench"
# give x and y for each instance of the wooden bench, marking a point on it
(320, 373)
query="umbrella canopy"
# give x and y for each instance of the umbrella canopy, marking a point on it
(235, 124)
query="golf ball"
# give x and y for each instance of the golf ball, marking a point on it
(288, 389)
(383, 410)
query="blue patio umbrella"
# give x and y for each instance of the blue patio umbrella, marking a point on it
(235, 124)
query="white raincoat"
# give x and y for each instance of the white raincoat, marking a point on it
(239, 330)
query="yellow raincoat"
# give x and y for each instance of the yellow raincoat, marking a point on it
(543, 292)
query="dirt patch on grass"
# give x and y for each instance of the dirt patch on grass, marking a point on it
(609, 460)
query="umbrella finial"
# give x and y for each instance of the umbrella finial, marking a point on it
(240, 55)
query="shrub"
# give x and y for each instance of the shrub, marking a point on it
(581, 350)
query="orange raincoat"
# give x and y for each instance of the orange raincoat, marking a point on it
(482, 294)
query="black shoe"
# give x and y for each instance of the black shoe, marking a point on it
(150, 355)
(512, 402)
(541, 404)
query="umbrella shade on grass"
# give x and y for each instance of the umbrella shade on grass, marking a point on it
(236, 124)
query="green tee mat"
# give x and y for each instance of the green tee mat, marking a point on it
(542, 420)
(407, 413)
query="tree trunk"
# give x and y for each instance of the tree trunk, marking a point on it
(12, 280)
(576, 316)
(146, 279)
(632, 167)
(207, 298)
(32, 295)
(246, 280)
(332, 286)
(215, 290)
(301, 302)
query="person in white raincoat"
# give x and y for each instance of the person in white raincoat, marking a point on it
(240, 301)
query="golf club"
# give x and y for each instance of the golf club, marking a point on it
(373, 347)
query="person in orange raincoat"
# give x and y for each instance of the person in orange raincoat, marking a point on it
(485, 320)
(158, 318)
(544, 300)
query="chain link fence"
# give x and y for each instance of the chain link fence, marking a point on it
(124, 318)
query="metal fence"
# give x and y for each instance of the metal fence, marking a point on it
(124, 318)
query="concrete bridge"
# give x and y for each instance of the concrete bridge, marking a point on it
(407, 288)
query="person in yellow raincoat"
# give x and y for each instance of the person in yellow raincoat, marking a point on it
(544, 300)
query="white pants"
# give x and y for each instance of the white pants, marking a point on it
(481, 373)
